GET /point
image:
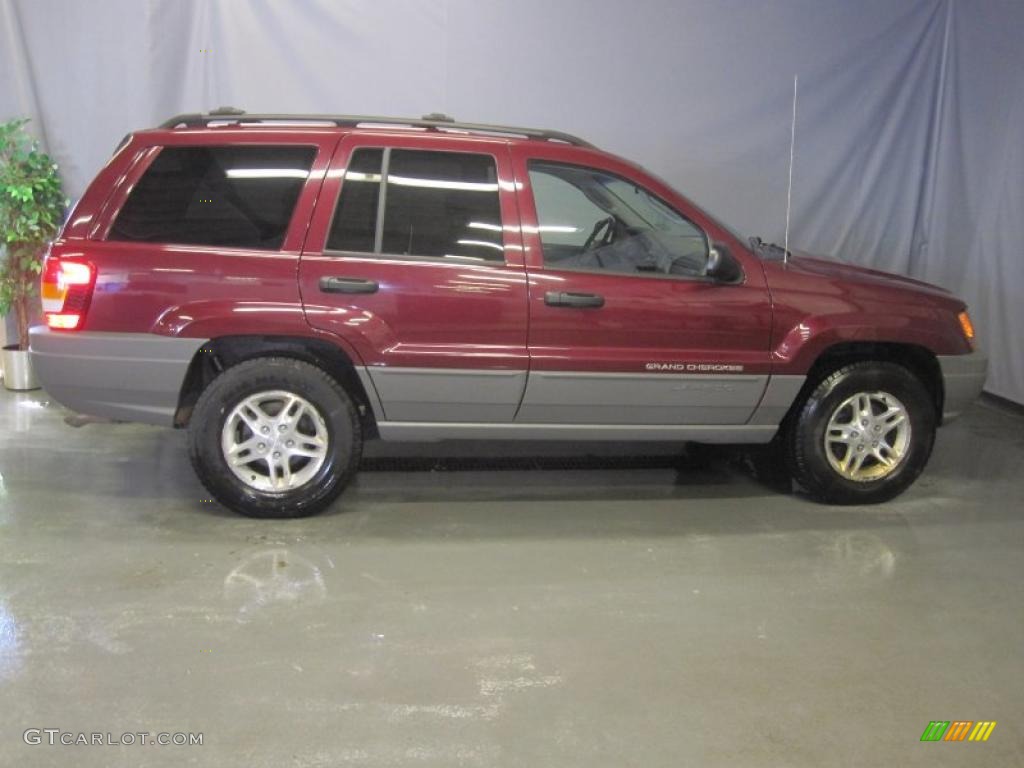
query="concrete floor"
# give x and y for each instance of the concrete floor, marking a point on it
(672, 612)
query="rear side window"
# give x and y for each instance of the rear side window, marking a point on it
(355, 221)
(436, 204)
(240, 196)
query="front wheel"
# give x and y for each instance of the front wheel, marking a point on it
(863, 435)
(275, 437)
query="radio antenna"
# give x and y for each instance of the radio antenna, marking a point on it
(789, 190)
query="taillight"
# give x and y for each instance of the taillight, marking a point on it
(66, 289)
(966, 326)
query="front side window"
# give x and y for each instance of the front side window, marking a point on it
(435, 204)
(593, 220)
(241, 196)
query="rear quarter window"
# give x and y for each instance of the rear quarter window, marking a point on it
(239, 196)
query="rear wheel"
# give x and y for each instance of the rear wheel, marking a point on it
(275, 437)
(863, 435)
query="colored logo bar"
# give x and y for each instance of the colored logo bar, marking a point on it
(958, 730)
(982, 731)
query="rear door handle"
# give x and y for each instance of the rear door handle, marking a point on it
(347, 285)
(562, 299)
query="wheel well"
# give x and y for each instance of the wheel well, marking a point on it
(222, 353)
(918, 360)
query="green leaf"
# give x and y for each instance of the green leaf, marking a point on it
(32, 204)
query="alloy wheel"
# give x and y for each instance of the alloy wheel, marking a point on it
(868, 436)
(274, 441)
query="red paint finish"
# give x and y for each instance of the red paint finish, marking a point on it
(427, 313)
(644, 319)
(818, 303)
(190, 290)
(82, 219)
(431, 313)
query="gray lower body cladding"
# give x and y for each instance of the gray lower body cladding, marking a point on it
(440, 394)
(138, 377)
(127, 376)
(703, 433)
(640, 399)
(448, 404)
(963, 376)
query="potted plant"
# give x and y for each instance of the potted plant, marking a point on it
(32, 205)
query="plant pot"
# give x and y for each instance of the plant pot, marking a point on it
(17, 367)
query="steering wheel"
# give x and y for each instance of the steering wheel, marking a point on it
(607, 224)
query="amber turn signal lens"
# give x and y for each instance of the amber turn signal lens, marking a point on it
(966, 326)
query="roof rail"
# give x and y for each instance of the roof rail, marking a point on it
(435, 121)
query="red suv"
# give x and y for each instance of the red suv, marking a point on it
(287, 286)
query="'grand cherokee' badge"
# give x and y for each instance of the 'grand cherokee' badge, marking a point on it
(695, 367)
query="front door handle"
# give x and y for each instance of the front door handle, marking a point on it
(581, 300)
(347, 285)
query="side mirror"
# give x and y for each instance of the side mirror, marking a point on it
(721, 266)
(714, 263)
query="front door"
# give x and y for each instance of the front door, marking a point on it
(625, 326)
(410, 261)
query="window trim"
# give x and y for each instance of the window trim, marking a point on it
(378, 235)
(140, 165)
(708, 242)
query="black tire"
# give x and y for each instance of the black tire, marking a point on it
(219, 399)
(805, 435)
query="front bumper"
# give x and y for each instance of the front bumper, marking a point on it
(962, 379)
(125, 376)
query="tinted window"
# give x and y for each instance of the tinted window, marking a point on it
(439, 204)
(230, 196)
(355, 221)
(593, 220)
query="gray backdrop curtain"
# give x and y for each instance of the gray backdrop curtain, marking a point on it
(909, 147)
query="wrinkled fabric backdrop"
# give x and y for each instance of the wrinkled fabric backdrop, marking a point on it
(909, 140)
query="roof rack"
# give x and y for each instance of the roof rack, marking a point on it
(435, 121)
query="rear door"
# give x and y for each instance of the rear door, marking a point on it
(624, 326)
(414, 258)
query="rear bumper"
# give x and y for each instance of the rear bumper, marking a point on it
(126, 376)
(962, 378)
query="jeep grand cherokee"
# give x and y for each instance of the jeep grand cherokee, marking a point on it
(285, 286)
